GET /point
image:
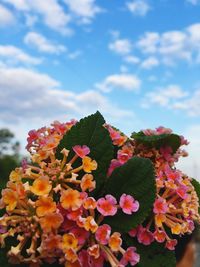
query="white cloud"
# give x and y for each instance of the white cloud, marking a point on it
(138, 7)
(27, 95)
(193, 2)
(190, 105)
(12, 55)
(74, 55)
(122, 81)
(149, 42)
(164, 97)
(150, 63)
(121, 46)
(132, 59)
(42, 44)
(51, 12)
(85, 9)
(6, 16)
(174, 45)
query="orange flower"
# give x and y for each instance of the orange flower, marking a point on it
(90, 203)
(89, 164)
(94, 251)
(71, 256)
(160, 219)
(52, 242)
(15, 176)
(90, 224)
(176, 229)
(71, 199)
(115, 241)
(41, 186)
(72, 264)
(9, 198)
(44, 206)
(88, 183)
(69, 241)
(51, 221)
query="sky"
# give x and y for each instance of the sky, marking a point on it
(136, 61)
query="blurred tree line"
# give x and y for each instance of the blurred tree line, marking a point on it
(9, 155)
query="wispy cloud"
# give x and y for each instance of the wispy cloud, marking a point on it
(150, 63)
(50, 12)
(124, 81)
(193, 2)
(13, 55)
(37, 96)
(121, 46)
(164, 97)
(86, 10)
(42, 44)
(138, 7)
(6, 16)
(174, 45)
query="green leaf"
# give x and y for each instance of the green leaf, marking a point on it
(196, 185)
(158, 141)
(135, 178)
(154, 255)
(90, 131)
(3, 258)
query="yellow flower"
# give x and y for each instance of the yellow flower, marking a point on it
(160, 219)
(71, 256)
(9, 198)
(90, 224)
(41, 186)
(69, 241)
(51, 221)
(15, 176)
(176, 229)
(89, 164)
(115, 241)
(87, 182)
(71, 199)
(44, 206)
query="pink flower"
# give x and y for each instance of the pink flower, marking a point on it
(80, 234)
(182, 191)
(86, 260)
(130, 256)
(170, 244)
(74, 214)
(128, 204)
(133, 232)
(144, 236)
(160, 206)
(81, 151)
(159, 236)
(114, 164)
(107, 206)
(103, 234)
(166, 153)
(163, 130)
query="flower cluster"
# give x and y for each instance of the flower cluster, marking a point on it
(176, 204)
(63, 205)
(50, 211)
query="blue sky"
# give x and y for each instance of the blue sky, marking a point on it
(137, 61)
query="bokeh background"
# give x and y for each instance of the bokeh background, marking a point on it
(136, 61)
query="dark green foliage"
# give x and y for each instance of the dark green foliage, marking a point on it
(196, 185)
(7, 164)
(158, 141)
(154, 255)
(90, 131)
(136, 178)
